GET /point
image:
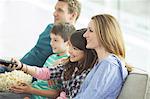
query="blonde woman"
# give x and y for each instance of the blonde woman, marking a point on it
(106, 78)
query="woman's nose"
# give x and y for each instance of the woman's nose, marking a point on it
(84, 35)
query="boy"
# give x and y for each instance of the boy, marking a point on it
(59, 36)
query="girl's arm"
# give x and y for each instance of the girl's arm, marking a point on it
(40, 73)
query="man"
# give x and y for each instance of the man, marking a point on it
(65, 11)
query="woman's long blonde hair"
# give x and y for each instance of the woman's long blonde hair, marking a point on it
(109, 35)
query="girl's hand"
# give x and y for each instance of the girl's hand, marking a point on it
(23, 88)
(17, 65)
(62, 96)
(26, 98)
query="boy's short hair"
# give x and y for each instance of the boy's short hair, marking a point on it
(73, 6)
(65, 30)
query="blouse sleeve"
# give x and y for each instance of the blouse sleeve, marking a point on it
(104, 82)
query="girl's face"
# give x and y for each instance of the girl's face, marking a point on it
(75, 53)
(91, 37)
(57, 43)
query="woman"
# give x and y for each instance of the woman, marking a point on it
(106, 78)
(72, 73)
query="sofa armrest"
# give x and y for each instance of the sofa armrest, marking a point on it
(136, 86)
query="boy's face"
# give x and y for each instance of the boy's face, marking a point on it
(61, 13)
(57, 43)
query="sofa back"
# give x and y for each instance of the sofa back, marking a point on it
(136, 86)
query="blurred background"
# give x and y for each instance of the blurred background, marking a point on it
(22, 21)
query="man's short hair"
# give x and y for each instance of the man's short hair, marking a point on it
(73, 6)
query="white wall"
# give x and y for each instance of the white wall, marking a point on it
(21, 22)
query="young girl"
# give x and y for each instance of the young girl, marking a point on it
(106, 78)
(72, 73)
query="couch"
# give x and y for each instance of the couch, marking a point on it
(136, 86)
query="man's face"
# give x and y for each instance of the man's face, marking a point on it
(61, 13)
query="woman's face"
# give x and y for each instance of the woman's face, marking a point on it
(75, 53)
(91, 37)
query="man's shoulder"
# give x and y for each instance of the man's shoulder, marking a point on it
(50, 25)
(47, 29)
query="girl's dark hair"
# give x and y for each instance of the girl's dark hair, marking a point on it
(78, 41)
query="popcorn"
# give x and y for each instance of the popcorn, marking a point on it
(9, 79)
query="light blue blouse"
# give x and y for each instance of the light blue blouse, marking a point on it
(105, 80)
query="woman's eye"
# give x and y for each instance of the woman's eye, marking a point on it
(90, 30)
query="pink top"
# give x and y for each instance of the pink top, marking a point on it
(42, 73)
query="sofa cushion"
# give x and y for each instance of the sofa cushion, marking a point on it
(136, 86)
